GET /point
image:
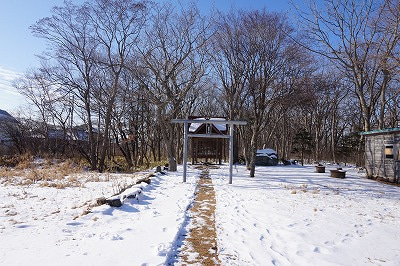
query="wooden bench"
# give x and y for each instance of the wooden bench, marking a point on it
(338, 173)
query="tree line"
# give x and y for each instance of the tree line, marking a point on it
(122, 70)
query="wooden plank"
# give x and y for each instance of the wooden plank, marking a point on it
(210, 136)
(211, 121)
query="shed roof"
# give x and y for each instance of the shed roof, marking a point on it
(194, 126)
(381, 131)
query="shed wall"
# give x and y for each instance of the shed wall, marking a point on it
(375, 162)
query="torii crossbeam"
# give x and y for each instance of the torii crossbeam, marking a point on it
(186, 134)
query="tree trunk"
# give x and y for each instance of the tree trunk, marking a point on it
(107, 123)
(171, 149)
(333, 132)
(167, 131)
(253, 151)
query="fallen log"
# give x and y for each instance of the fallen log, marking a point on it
(114, 201)
(130, 192)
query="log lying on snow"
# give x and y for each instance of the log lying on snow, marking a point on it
(114, 201)
(131, 192)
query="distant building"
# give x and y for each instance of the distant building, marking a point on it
(382, 154)
(55, 132)
(81, 133)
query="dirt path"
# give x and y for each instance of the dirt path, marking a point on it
(199, 246)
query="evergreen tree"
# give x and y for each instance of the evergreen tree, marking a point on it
(302, 143)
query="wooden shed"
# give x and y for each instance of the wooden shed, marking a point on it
(382, 154)
(209, 149)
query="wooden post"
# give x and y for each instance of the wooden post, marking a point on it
(185, 144)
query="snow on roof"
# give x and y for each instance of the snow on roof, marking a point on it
(194, 126)
(267, 152)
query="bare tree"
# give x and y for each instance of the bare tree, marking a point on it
(70, 61)
(229, 60)
(172, 64)
(252, 54)
(131, 122)
(117, 26)
(41, 94)
(230, 66)
(354, 35)
(266, 40)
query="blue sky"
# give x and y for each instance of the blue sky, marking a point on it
(18, 46)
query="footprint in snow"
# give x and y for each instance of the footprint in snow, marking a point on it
(117, 237)
(161, 250)
(22, 226)
(320, 250)
(329, 243)
(88, 235)
(68, 231)
(74, 224)
(346, 240)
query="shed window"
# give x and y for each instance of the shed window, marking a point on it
(389, 151)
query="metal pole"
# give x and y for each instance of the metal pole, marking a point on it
(230, 152)
(185, 144)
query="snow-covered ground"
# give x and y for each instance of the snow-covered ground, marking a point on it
(289, 215)
(286, 215)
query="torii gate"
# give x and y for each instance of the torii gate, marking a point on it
(186, 134)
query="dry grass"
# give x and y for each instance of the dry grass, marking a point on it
(302, 188)
(44, 172)
(13, 161)
(152, 165)
(54, 173)
(10, 213)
